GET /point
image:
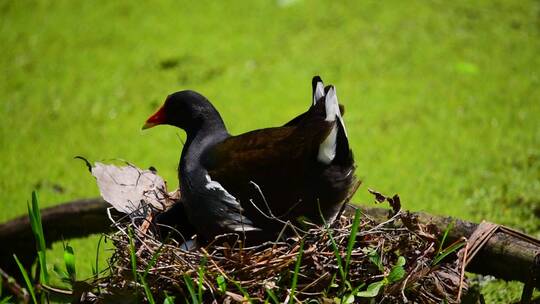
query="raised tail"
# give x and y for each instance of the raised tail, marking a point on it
(335, 147)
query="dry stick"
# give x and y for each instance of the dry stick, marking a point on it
(268, 206)
(316, 281)
(15, 288)
(413, 272)
(374, 229)
(272, 216)
(462, 270)
(117, 225)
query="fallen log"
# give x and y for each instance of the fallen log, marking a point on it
(506, 255)
(75, 219)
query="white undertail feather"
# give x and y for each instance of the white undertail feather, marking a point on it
(327, 149)
(319, 92)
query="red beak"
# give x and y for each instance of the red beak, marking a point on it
(157, 118)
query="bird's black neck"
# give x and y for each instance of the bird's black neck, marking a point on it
(209, 132)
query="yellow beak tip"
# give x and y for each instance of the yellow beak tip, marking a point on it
(147, 126)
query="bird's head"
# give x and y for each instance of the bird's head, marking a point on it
(187, 110)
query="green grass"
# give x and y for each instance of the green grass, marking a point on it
(442, 98)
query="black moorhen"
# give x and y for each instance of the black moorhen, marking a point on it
(253, 183)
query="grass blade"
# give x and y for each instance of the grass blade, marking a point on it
(448, 250)
(200, 281)
(26, 280)
(352, 239)
(272, 296)
(153, 260)
(334, 245)
(132, 254)
(6, 300)
(96, 271)
(448, 228)
(337, 254)
(147, 291)
(191, 289)
(37, 229)
(243, 291)
(296, 270)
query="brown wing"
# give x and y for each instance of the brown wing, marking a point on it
(254, 153)
(278, 160)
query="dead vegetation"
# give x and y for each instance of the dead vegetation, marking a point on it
(355, 259)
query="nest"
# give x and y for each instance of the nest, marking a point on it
(389, 262)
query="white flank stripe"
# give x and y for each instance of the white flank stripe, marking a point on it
(213, 185)
(229, 199)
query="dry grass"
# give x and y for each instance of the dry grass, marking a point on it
(342, 262)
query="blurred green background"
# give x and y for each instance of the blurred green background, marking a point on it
(442, 98)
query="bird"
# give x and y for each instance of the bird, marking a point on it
(256, 183)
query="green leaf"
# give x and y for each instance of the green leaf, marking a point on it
(169, 300)
(349, 299)
(222, 283)
(397, 272)
(401, 261)
(69, 260)
(26, 280)
(375, 258)
(372, 290)
(346, 299)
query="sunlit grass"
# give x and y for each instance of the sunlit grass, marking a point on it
(442, 99)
